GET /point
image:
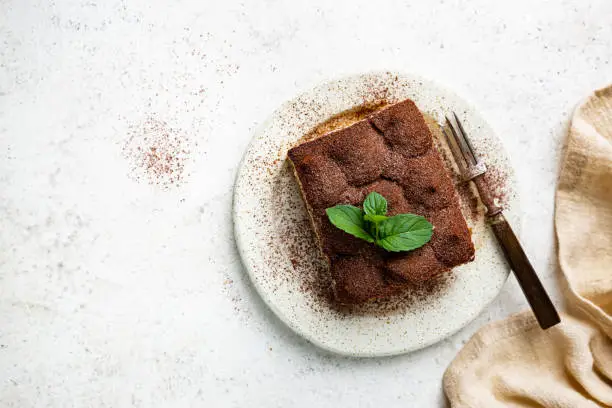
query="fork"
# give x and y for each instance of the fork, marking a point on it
(474, 169)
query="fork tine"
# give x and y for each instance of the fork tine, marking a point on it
(460, 143)
(465, 137)
(465, 150)
(452, 144)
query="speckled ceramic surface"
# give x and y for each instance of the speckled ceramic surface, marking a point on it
(278, 247)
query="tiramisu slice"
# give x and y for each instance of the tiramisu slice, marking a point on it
(390, 152)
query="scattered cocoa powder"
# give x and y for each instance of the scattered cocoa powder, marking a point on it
(158, 153)
(497, 180)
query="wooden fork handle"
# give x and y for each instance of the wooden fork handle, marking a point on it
(536, 295)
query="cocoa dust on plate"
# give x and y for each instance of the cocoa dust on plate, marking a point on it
(157, 152)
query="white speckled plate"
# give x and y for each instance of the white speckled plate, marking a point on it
(278, 248)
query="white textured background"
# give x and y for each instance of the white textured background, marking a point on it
(116, 292)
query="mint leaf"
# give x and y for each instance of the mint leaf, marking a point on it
(404, 232)
(375, 218)
(375, 204)
(349, 219)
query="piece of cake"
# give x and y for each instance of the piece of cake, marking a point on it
(390, 152)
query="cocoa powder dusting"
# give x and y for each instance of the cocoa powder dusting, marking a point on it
(497, 180)
(469, 197)
(411, 297)
(158, 153)
(306, 263)
(311, 270)
(344, 119)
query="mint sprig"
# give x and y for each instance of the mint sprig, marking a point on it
(402, 232)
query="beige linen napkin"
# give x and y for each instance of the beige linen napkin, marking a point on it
(512, 363)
